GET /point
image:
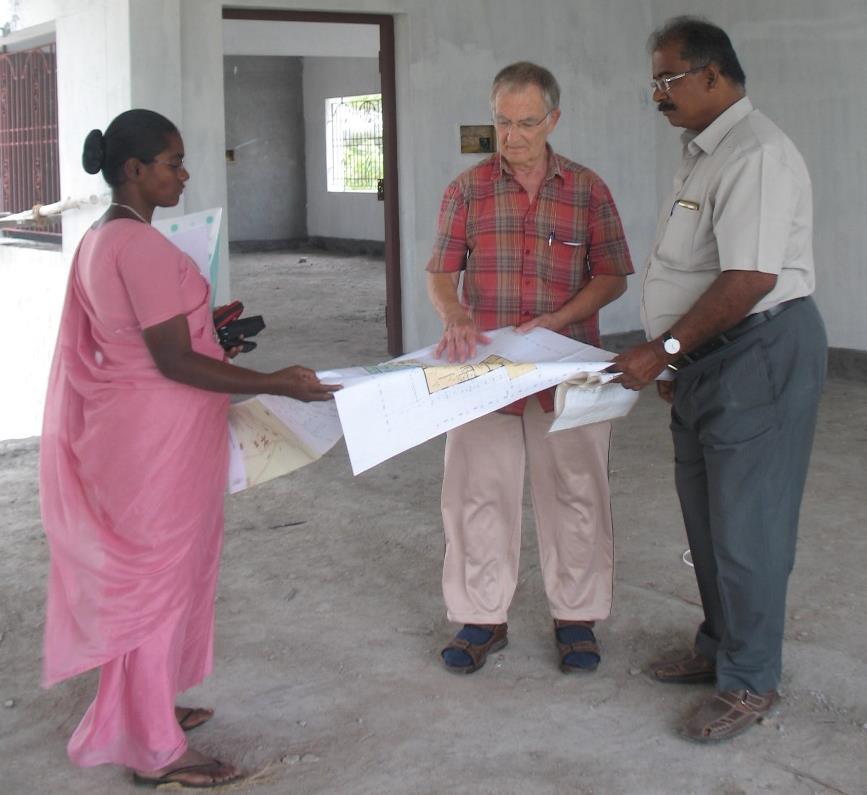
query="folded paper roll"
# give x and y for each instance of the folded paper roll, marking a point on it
(590, 397)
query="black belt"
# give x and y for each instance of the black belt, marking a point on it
(748, 323)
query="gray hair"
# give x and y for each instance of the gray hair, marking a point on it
(524, 73)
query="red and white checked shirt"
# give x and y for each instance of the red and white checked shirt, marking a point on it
(521, 260)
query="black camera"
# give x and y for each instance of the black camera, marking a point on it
(237, 332)
(234, 330)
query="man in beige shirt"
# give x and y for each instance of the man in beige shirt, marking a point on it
(727, 313)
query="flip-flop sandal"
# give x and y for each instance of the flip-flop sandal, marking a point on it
(189, 720)
(473, 643)
(207, 768)
(577, 646)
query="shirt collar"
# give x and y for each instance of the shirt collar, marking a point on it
(711, 136)
(555, 169)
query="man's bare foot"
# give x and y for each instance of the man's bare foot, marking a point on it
(191, 769)
(190, 718)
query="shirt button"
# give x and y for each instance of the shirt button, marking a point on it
(526, 251)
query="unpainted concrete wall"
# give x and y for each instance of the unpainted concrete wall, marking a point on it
(452, 52)
(265, 129)
(802, 60)
(804, 63)
(333, 39)
(358, 216)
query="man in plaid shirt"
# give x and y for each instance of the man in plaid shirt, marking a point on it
(540, 243)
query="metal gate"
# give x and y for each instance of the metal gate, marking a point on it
(29, 168)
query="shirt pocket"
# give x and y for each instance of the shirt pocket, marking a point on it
(564, 262)
(676, 247)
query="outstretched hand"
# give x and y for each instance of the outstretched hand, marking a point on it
(460, 339)
(640, 365)
(302, 383)
(546, 320)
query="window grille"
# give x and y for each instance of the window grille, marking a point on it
(29, 167)
(353, 130)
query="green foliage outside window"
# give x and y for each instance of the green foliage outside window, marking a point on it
(355, 143)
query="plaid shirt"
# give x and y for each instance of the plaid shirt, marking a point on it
(521, 260)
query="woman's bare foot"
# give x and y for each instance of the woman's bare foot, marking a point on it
(190, 718)
(191, 769)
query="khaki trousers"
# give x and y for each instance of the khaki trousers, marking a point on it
(482, 498)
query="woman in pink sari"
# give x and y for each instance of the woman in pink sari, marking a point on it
(133, 468)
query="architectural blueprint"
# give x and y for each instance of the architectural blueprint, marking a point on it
(387, 408)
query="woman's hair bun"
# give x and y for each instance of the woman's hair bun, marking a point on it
(93, 156)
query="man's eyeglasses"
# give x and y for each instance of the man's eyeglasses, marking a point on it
(663, 84)
(504, 124)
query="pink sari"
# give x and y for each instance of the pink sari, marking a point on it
(132, 476)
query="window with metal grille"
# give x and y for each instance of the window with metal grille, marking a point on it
(29, 167)
(353, 143)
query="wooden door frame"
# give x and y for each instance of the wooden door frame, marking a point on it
(388, 86)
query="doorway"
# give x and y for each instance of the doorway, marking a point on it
(388, 190)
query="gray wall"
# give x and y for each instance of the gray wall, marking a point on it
(357, 216)
(805, 63)
(453, 50)
(265, 127)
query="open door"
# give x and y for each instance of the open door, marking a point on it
(389, 188)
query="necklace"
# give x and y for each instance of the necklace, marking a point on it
(135, 212)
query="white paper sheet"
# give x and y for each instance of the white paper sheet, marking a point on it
(406, 401)
(590, 398)
(198, 236)
(387, 408)
(271, 436)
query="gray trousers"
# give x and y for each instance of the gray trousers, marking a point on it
(742, 421)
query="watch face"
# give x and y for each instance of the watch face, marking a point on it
(671, 345)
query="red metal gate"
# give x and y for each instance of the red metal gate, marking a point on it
(29, 168)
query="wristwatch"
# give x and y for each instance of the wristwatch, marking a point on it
(670, 344)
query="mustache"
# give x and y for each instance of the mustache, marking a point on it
(663, 106)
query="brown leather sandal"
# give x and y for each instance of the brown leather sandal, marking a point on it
(186, 777)
(477, 652)
(727, 715)
(190, 718)
(688, 669)
(586, 645)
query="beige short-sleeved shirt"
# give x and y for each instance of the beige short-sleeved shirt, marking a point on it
(742, 200)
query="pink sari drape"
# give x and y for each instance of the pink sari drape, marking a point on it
(132, 476)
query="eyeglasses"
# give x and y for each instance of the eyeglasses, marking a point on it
(663, 84)
(504, 124)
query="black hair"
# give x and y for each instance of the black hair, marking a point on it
(701, 42)
(137, 133)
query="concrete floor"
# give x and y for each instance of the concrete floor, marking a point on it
(328, 678)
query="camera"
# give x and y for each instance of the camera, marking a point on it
(234, 330)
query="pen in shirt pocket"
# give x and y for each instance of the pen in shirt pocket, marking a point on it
(574, 243)
(687, 204)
